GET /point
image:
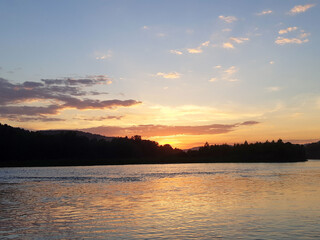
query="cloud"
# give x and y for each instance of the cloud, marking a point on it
(249, 123)
(165, 130)
(199, 48)
(273, 89)
(18, 118)
(194, 50)
(145, 27)
(300, 8)
(239, 39)
(97, 104)
(289, 29)
(205, 44)
(226, 30)
(298, 39)
(28, 110)
(231, 70)
(100, 118)
(228, 19)
(161, 35)
(171, 75)
(189, 31)
(52, 96)
(271, 62)
(89, 80)
(176, 52)
(265, 12)
(226, 74)
(228, 45)
(103, 56)
(304, 35)
(283, 41)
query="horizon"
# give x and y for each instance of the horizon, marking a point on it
(176, 72)
(301, 142)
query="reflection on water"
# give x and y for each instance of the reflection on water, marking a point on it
(178, 201)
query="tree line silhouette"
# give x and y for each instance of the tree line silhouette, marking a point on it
(21, 147)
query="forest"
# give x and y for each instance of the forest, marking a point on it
(21, 147)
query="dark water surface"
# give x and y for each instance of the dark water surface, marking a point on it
(178, 201)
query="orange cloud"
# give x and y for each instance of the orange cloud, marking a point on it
(164, 130)
(228, 45)
(289, 29)
(170, 75)
(282, 41)
(300, 8)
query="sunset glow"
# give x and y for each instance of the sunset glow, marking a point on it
(177, 72)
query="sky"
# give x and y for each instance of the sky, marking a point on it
(177, 72)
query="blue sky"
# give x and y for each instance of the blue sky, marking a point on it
(182, 63)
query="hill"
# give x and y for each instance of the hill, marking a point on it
(90, 136)
(313, 150)
(21, 147)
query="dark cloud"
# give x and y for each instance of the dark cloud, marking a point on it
(88, 80)
(164, 130)
(95, 93)
(249, 123)
(65, 93)
(32, 84)
(18, 118)
(101, 118)
(29, 110)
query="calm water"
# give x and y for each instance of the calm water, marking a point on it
(179, 201)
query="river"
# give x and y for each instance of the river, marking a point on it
(174, 201)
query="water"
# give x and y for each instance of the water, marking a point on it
(178, 201)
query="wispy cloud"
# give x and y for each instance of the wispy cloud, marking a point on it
(226, 30)
(289, 29)
(239, 39)
(229, 74)
(176, 52)
(271, 62)
(194, 50)
(19, 118)
(231, 70)
(103, 56)
(300, 8)
(298, 39)
(89, 80)
(145, 27)
(283, 41)
(165, 130)
(189, 31)
(161, 35)
(273, 89)
(171, 75)
(226, 74)
(264, 12)
(228, 45)
(228, 19)
(213, 79)
(205, 44)
(198, 49)
(98, 118)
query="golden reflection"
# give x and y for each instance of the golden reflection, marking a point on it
(162, 199)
